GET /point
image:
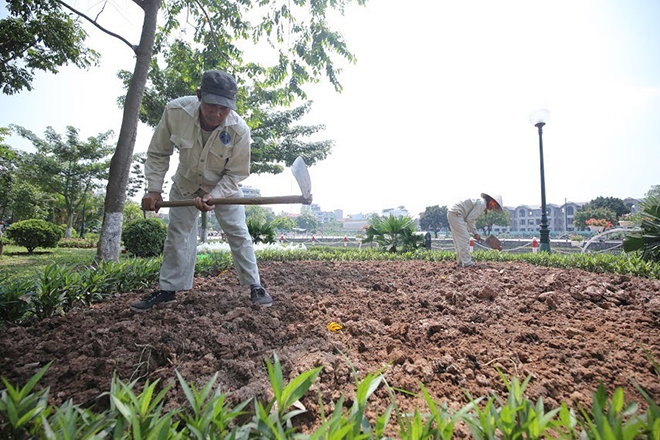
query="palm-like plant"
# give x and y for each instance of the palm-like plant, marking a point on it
(260, 231)
(647, 240)
(393, 233)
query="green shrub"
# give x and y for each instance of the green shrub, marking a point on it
(394, 234)
(58, 288)
(145, 237)
(79, 243)
(13, 301)
(34, 233)
(260, 231)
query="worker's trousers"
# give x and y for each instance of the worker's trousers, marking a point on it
(180, 251)
(461, 237)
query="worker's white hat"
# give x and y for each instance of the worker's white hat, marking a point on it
(497, 198)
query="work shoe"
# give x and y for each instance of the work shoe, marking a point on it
(157, 297)
(260, 297)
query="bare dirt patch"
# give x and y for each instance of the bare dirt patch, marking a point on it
(446, 327)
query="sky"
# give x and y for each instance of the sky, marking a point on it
(437, 107)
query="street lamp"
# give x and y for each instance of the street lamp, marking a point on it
(539, 119)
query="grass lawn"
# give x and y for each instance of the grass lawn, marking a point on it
(16, 262)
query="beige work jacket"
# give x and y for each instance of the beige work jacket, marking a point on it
(216, 167)
(470, 209)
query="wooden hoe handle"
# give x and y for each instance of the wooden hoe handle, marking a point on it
(239, 201)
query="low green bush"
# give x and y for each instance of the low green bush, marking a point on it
(34, 233)
(79, 243)
(145, 237)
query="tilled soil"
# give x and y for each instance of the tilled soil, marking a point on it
(433, 323)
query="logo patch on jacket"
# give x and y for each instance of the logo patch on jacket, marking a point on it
(225, 137)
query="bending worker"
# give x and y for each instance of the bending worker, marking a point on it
(462, 222)
(214, 156)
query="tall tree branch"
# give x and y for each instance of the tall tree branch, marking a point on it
(213, 34)
(132, 46)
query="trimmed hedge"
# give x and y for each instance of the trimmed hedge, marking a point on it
(145, 237)
(34, 233)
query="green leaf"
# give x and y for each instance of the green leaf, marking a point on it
(123, 409)
(617, 400)
(188, 392)
(298, 387)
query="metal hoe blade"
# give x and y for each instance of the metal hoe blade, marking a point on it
(301, 173)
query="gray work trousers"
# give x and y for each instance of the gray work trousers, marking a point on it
(180, 251)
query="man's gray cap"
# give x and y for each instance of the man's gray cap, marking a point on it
(219, 88)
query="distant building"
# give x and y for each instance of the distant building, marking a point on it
(321, 216)
(527, 218)
(357, 222)
(248, 191)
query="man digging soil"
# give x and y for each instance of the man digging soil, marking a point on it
(462, 222)
(214, 156)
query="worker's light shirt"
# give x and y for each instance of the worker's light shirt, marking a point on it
(470, 209)
(216, 167)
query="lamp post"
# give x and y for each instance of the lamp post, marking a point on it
(539, 119)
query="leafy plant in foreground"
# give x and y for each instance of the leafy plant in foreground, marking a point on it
(72, 422)
(141, 414)
(647, 241)
(21, 409)
(13, 303)
(274, 420)
(609, 418)
(25, 413)
(209, 414)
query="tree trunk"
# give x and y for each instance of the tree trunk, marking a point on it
(69, 225)
(120, 165)
(205, 227)
(82, 224)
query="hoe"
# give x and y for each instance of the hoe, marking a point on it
(300, 172)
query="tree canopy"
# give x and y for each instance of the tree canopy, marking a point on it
(433, 219)
(585, 213)
(67, 165)
(276, 138)
(614, 204)
(283, 224)
(307, 221)
(8, 163)
(38, 35)
(490, 218)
